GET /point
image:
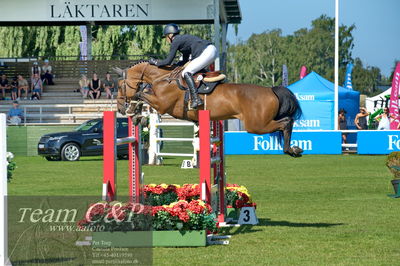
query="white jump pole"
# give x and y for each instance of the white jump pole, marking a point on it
(155, 140)
(3, 198)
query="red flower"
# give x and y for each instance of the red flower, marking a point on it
(188, 191)
(239, 203)
(156, 209)
(195, 207)
(183, 216)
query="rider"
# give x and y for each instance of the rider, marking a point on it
(202, 52)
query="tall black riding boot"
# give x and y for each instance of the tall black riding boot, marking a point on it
(196, 101)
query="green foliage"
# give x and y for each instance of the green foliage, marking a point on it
(107, 40)
(365, 79)
(154, 199)
(393, 163)
(259, 60)
(10, 168)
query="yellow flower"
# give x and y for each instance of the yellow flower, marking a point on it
(202, 203)
(163, 185)
(151, 185)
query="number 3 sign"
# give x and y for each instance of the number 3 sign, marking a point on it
(248, 216)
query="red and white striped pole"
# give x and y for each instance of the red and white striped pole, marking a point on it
(212, 158)
(109, 156)
(135, 171)
(110, 142)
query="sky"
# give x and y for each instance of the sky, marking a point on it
(376, 37)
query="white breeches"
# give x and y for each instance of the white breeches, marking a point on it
(206, 58)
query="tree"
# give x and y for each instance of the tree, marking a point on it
(259, 60)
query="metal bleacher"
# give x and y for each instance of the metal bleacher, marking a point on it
(61, 103)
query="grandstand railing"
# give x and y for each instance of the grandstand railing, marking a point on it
(41, 116)
(69, 66)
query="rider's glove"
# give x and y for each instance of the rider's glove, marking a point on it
(152, 61)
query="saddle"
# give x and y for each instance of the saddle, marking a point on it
(205, 82)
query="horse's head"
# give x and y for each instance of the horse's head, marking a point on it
(129, 85)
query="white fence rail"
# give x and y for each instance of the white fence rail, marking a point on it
(155, 154)
(40, 114)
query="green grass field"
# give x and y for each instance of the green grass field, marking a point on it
(314, 210)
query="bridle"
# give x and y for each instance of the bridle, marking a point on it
(138, 89)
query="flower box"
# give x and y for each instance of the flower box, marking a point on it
(150, 239)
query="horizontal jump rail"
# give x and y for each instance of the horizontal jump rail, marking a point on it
(126, 140)
(175, 154)
(215, 159)
(214, 140)
(174, 139)
(163, 124)
(349, 145)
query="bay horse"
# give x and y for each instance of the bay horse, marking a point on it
(262, 109)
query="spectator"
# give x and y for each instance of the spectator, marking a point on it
(15, 114)
(384, 120)
(109, 86)
(4, 85)
(343, 124)
(22, 85)
(84, 83)
(361, 119)
(47, 71)
(14, 89)
(35, 69)
(36, 87)
(95, 85)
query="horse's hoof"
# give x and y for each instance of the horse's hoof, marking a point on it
(297, 151)
(129, 114)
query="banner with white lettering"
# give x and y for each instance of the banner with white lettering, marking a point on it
(316, 98)
(394, 98)
(378, 142)
(312, 142)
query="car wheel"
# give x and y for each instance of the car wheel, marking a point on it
(70, 152)
(52, 158)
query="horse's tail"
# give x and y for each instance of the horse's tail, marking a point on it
(288, 104)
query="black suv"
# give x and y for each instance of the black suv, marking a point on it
(86, 140)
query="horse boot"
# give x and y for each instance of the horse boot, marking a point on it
(196, 101)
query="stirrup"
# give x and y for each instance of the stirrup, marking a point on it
(199, 102)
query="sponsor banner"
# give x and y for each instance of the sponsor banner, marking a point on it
(312, 142)
(378, 142)
(317, 115)
(394, 96)
(303, 72)
(285, 76)
(347, 80)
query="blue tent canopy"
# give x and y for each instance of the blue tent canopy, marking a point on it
(316, 97)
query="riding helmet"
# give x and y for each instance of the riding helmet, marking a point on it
(171, 28)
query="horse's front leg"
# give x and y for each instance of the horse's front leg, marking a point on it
(154, 102)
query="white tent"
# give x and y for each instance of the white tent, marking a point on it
(377, 102)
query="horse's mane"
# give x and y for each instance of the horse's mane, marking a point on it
(175, 68)
(139, 62)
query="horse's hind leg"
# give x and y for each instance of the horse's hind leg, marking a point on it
(285, 125)
(294, 151)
